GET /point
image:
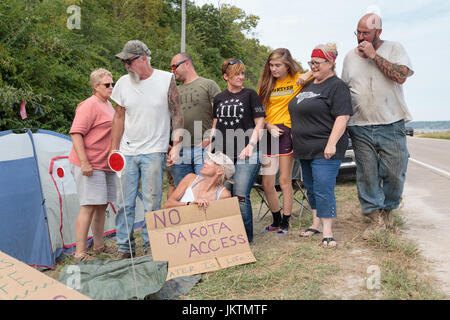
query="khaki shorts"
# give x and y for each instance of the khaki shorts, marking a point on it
(98, 189)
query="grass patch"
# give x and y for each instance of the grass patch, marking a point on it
(402, 268)
(434, 135)
(298, 268)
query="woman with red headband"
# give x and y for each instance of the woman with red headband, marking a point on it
(279, 83)
(319, 120)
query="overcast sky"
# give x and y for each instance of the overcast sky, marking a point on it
(421, 26)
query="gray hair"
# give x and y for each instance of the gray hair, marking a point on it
(97, 75)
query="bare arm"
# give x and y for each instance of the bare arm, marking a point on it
(118, 126)
(340, 124)
(212, 133)
(78, 145)
(257, 133)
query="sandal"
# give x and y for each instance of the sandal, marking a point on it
(83, 258)
(328, 240)
(313, 233)
(104, 249)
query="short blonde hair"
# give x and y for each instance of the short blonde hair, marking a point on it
(232, 69)
(97, 75)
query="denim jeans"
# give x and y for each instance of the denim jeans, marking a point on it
(245, 175)
(381, 156)
(148, 168)
(191, 161)
(319, 178)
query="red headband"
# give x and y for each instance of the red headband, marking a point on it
(317, 53)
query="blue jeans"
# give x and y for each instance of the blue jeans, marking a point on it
(319, 178)
(381, 158)
(245, 175)
(191, 161)
(148, 168)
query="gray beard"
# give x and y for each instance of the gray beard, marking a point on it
(134, 76)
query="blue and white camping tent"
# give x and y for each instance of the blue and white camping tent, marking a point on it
(38, 198)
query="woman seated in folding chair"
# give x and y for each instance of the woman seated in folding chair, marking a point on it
(201, 190)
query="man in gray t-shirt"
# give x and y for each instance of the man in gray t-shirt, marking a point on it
(374, 72)
(196, 95)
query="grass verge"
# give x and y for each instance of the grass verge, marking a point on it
(298, 268)
(434, 135)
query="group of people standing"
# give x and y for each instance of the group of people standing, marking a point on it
(205, 137)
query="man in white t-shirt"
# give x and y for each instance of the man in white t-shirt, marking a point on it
(374, 72)
(147, 102)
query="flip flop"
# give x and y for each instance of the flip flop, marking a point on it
(328, 240)
(314, 232)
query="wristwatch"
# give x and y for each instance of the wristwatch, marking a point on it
(252, 144)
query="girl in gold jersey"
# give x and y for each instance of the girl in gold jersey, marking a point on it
(279, 83)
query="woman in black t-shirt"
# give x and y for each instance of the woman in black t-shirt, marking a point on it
(238, 120)
(319, 117)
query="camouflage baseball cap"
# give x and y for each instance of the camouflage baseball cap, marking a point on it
(133, 48)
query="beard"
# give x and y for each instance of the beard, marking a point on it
(374, 41)
(134, 76)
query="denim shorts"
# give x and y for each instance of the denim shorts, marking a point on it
(319, 178)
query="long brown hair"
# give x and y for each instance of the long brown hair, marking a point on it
(267, 81)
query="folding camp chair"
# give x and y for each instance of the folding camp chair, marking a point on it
(298, 188)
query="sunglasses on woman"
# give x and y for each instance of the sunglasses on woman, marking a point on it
(233, 62)
(107, 85)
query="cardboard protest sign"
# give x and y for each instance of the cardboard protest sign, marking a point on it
(194, 241)
(19, 281)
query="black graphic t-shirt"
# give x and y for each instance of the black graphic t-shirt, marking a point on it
(313, 113)
(235, 114)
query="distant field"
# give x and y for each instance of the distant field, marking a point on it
(434, 135)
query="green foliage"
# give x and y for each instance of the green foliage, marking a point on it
(46, 64)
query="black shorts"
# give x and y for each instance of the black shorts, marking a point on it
(284, 143)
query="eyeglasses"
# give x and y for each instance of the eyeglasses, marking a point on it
(233, 62)
(360, 33)
(129, 61)
(176, 65)
(315, 63)
(107, 85)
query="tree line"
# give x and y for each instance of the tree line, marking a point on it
(46, 63)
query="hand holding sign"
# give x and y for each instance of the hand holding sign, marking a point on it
(117, 163)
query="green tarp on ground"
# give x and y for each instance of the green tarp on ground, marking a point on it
(114, 280)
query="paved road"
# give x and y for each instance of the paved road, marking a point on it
(426, 205)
